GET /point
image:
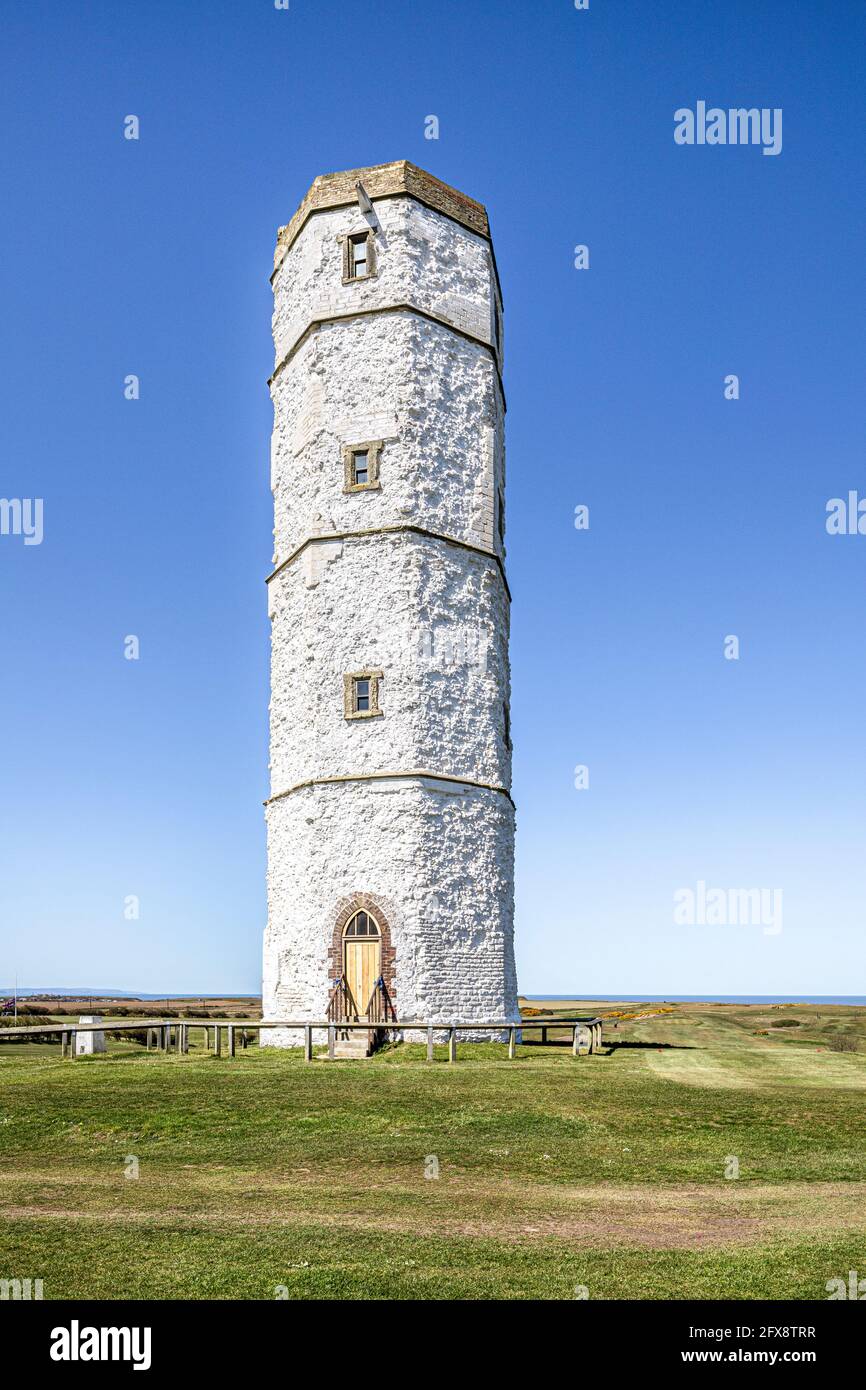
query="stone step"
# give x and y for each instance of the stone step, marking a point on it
(356, 1045)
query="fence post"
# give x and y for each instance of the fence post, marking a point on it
(332, 1037)
(217, 1040)
(231, 1038)
(452, 1044)
(308, 1043)
(512, 1039)
(63, 1037)
(429, 1042)
(73, 1037)
(574, 1046)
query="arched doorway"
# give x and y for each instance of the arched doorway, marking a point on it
(362, 958)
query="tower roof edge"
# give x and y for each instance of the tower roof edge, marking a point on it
(383, 181)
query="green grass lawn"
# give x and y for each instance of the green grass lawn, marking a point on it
(607, 1172)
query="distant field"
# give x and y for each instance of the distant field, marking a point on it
(607, 1172)
(65, 1007)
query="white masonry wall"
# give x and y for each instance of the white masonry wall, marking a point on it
(436, 856)
(433, 618)
(439, 861)
(430, 395)
(424, 257)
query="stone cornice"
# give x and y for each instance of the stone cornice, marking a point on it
(402, 307)
(390, 776)
(399, 178)
(397, 529)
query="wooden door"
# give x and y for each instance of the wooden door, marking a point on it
(362, 970)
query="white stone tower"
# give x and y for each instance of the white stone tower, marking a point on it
(390, 821)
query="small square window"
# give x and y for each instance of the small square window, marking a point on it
(359, 257)
(361, 466)
(361, 694)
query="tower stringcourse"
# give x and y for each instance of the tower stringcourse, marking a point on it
(390, 820)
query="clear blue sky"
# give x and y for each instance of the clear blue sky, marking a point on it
(707, 515)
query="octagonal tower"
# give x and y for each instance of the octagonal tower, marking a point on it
(390, 820)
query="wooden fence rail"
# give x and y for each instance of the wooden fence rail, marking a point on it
(586, 1032)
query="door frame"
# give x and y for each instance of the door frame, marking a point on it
(346, 909)
(368, 941)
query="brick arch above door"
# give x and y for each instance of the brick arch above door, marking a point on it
(363, 902)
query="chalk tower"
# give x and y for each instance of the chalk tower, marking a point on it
(390, 821)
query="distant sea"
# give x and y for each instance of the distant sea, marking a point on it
(88, 991)
(710, 998)
(854, 999)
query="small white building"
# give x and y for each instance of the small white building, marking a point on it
(390, 819)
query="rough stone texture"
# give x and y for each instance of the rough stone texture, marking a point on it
(434, 619)
(435, 856)
(439, 862)
(433, 400)
(422, 258)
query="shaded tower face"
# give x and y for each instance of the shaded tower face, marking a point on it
(390, 824)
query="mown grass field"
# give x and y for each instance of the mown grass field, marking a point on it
(607, 1172)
